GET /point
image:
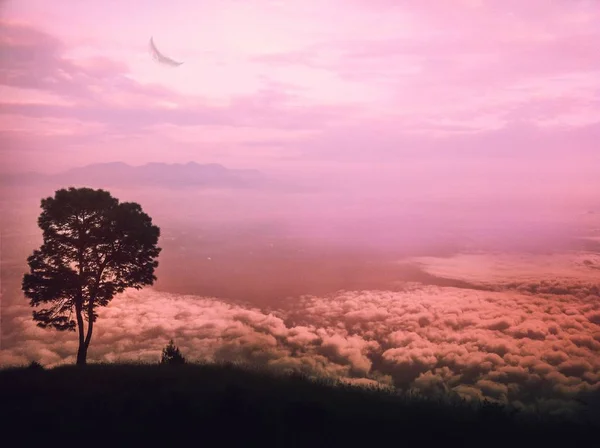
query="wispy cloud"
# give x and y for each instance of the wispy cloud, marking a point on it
(387, 70)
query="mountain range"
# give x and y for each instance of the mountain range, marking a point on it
(119, 174)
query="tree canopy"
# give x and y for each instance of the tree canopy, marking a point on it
(171, 355)
(94, 247)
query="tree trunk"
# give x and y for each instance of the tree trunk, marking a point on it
(82, 351)
(82, 355)
(88, 337)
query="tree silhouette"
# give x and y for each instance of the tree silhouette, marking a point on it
(171, 355)
(93, 248)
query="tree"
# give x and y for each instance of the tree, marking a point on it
(171, 355)
(93, 248)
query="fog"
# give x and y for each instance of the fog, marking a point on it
(304, 235)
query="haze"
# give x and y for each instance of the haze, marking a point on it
(427, 163)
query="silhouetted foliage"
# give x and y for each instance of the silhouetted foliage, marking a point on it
(94, 247)
(34, 365)
(171, 355)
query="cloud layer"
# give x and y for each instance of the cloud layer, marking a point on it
(526, 348)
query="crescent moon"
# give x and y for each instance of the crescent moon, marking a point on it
(161, 58)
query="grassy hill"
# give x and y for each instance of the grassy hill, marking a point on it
(216, 405)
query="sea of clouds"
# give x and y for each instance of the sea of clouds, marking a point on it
(530, 343)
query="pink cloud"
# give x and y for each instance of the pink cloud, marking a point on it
(524, 362)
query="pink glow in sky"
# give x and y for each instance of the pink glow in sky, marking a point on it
(302, 84)
(465, 102)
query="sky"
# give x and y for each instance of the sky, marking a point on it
(318, 88)
(421, 122)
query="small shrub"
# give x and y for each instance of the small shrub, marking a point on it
(34, 365)
(171, 355)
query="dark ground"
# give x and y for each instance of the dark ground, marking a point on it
(208, 405)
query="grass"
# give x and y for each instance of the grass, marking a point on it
(226, 405)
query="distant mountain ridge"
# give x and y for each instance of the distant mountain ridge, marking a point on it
(119, 174)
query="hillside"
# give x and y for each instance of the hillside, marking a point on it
(211, 405)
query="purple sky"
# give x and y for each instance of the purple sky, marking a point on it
(492, 106)
(306, 86)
